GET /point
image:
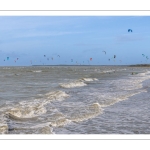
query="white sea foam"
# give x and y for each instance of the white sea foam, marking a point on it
(43, 128)
(89, 79)
(37, 71)
(108, 71)
(60, 122)
(111, 99)
(3, 128)
(85, 113)
(33, 108)
(3, 125)
(56, 95)
(28, 110)
(77, 83)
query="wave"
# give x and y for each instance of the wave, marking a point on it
(73, 84)
(27, 110)
(78, 83)
(56, 95)
(3, 125)
(3, 128)
(60, 122)
(37, 71)
(115, 99)
(89, 79)
(85, 113)
(43, 128)
(108, 71)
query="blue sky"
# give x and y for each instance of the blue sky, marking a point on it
(76, 39)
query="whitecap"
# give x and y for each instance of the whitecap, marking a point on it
(89, 79)
(56, 95)
(73, 84)
(85, 113)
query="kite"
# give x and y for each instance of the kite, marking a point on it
(129, 30)
(104, 52)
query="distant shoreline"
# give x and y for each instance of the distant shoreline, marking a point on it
(140, 65)
(135, 65)
(78, 65)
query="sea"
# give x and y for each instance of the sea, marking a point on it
(75, 100)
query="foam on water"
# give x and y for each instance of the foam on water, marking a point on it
(85, 113)
(107, 71)
(43, 128)
(3, 128)
(33, 108)
(28, 110)
(111, 99)
(60, 122)
(114, 91)
(56, 95)
(3, 125)
(77, 83)
(89, 79)
(37, 71)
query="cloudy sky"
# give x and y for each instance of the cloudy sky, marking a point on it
(38, 40)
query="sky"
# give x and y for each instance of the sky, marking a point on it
(74, 40)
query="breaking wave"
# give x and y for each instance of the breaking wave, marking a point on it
(31, 109)
(3, 125)
(37, 71)
(56, 95)
(73, 84)
(26, 111)
(85, 113)
(89, 79)
(77, 83)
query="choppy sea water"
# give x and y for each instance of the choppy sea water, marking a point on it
(75, 100)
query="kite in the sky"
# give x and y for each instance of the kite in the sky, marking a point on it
(114, 56)
(129, 30)
(91, 59)
(104, 52)
(7, 58)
